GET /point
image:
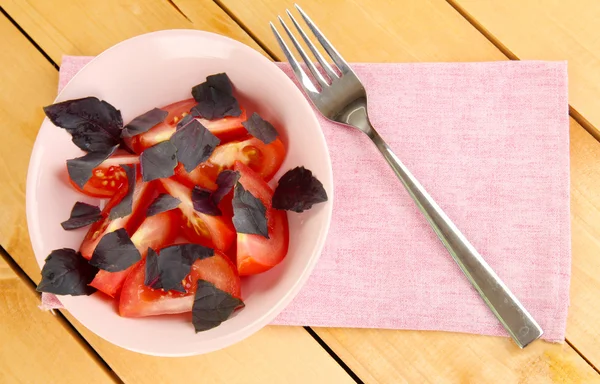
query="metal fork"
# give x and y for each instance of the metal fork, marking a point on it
(340, 97)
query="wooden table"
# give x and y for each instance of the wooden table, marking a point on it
(38, 347)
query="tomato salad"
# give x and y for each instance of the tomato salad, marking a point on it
(189, 210)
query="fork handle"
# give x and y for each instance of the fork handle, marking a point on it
(507, 308)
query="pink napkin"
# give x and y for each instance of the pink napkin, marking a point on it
(490, 142)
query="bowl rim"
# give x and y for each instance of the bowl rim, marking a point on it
(245, 331)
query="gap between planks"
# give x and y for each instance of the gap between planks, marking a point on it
(578, 117)
(25, 279)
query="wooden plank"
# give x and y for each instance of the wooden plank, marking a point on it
(549, 30)
(433, 31)
(88, 27)
(35, 343)
(29, 82)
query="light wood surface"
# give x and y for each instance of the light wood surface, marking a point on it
(35, 343)
(549, 30)
(383, 31)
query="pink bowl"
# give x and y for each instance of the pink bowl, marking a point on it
(153, 70)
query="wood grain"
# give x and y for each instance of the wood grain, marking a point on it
(35, 343)
(433, 31)
(275, 354)
(88, 27)
(549, 30)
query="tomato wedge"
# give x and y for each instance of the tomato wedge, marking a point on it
(155, 232)
(256, 254)
(108, 177)
(228, 128)
(137, 300)
(213, 231)
(264, 159)
(204, 175)
(142, 197)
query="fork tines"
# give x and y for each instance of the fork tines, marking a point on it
(330, 74)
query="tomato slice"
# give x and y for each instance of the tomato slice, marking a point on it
(108, 177)
(214, 231)
(204, 175)
(155, 232)
(228, 128)
(256, 254)
(142, 197)
(264, 159)
(137, 300)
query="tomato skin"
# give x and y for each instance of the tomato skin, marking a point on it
(213, 231)
(137, 300)
(142, 197)
(264, 159)
(255, 253)
(155, 232)
(108, 177)
(228, 128)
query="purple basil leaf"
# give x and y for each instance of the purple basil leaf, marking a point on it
(204, 203)
(164, 202)
(115, 252)
(158, 161)
(82, 214)
(225, 182)
(298, 190)
(174, 263)
(80, 169)
(212, 306)
(144, 122)
(93, 124)
(215, 98)
(194, 144)
(152, 273)
(260, 128)
(185, 121)
(125, 206)
(66, 272)
(249, 213)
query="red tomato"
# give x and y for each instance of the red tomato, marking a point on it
(108, 177)
(156, 232)
(142, 197)
(264, 159)
(228, 128)
(256, 254)
(137, 300)
(204, 175)
(214, 231)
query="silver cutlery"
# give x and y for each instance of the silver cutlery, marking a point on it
(340, 96)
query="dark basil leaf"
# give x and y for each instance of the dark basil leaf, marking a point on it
(144, 122)
(249, 213)
(298, 190)
(212, 306)
(215, 98)
(115, 252)
(164, 202)
(225, 182)
(194, 144)
(66, 272)
(260, 128)
(158, 161)
(152, 275)
(185, 121)
(93, 124)
(80, 169)
(175, 263)
(82, 214)
(125, 206)
(204, 203)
